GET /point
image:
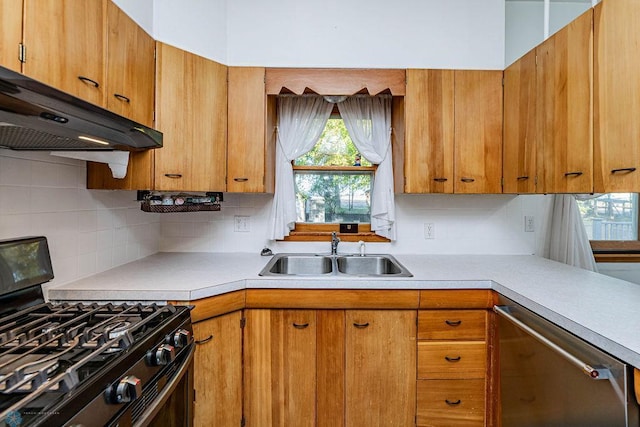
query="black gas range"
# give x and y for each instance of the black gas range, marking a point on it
(87, 364)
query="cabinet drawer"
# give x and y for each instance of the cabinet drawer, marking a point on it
(452, 324)
(451, 402)
(454, 359)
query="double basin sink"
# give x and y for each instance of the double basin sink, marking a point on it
(375, 265)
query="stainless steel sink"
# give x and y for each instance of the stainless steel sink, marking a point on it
(371, 265)
(375, 265)
(298, 265)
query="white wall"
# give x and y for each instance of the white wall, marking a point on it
(88, 231)
(524, 27)
(464, 224)
(140, 11)
(358, 33)
(199, 26)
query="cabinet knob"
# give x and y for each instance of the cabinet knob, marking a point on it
(452, 359)
(204, 340)
(300, 325)
(89, 81)
(440, 179)
(453, 402)
(523, 178)
(453, 322)
(623, 170)
(241, 179)
(577, 173)
(361, 325)
(122, 97)
(467, 179)
(173, 175)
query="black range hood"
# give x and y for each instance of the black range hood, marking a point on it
(35, 116)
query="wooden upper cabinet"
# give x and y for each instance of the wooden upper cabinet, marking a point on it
(64, 42)
(130, 92)
(617, 96)
(564, 80)
(191, 112)
(251, 132)
(130, 67)
(10, 33)
(478, 131)
(429, 131)
(520, 147)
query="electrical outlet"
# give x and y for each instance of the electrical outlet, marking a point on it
(429, 230)
(529, 224)
(241, 223)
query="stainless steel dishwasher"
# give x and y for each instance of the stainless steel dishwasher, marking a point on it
(549, 377)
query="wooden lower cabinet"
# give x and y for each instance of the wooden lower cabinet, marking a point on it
(329, 367)
(454, 359)
(218, 371)
(380, 368)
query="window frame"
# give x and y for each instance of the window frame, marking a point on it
(618, 250)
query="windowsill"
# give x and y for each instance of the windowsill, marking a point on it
(616, 251)
(305, 232)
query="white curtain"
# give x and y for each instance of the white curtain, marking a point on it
(567, 240)
(368, 121)
(301, 120)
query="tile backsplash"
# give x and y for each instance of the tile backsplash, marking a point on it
(90, 231)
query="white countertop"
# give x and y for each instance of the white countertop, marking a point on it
(600, 309)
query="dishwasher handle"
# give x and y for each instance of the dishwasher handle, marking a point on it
(596, 373)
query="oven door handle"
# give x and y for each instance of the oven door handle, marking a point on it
(163, 397)
(596, 373)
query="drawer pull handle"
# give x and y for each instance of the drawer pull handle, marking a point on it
(467, 179)
(122, 98)
(300, 325)
(453, 322)
(361, 325)
(173, 175)
(453, 402)
(625, 170)
(452, 359)
(89, 81)
(523, 178)
(205, 340)
(241, 179)
(440, 179)
(573, 173)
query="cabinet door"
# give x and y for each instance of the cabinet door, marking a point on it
(130, 67)
(617, 97)
(191, 112)
(10, 33)
(429, 131)
(130, 92)
(380, 368)
(64, 42)
(564, 78)
(519, 165)
(218, 371)
(478, 131)
(251, 140)
(280, 368)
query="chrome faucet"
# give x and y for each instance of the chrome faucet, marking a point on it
(334, 243)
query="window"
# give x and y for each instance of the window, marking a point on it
(611, 222)
(333, 181)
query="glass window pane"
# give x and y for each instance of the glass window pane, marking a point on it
(334, 148)
(333, 196)
(611, 216)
